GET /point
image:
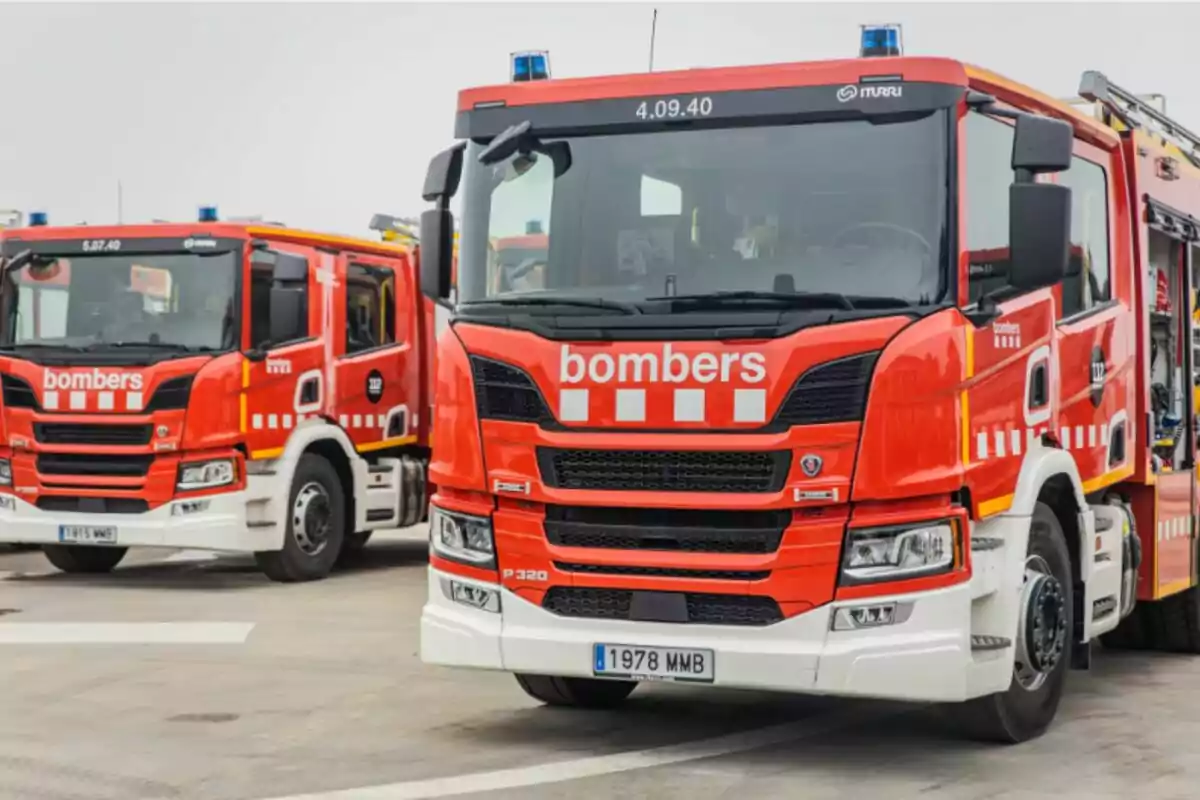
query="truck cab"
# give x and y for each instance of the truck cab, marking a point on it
(214, 385)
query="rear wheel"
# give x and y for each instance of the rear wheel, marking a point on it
(1043, 644)
(316, 525)
(576, 692)
(83, 560)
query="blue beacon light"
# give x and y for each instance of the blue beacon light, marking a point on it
(530, 66)
(881, 41)
(37, 219)
(208, 213)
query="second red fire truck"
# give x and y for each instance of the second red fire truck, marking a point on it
(218, 386)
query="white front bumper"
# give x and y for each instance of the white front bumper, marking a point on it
(926, 658)
(220, 526)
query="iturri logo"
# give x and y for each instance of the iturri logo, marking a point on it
(665, 367)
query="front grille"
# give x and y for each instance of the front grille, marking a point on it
(664, 470)
(692, 608)
(665, 572)
(93, 505)
(835, 391)
(507, 393)
(17, 392)
(670, 529)
(119, 466)
(68, 433)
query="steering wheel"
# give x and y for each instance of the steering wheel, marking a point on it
(909, 232)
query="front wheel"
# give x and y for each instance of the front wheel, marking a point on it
(316, 525)
(1043, 644)
(576, 692)
(83, 560)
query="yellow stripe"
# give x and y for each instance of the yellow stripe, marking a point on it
(242, 397)
(970, 352)
(395, 441)
(1174, 588)
(995, 506)
(966, 428)
(1107, 479)
(242, 410)
(245, 374)
(259, 455)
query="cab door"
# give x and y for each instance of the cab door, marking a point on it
(282, 381)
(376, 368)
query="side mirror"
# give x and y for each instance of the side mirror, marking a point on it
(436, 253)
(1039, 234)
(290, 268)
(1041, 145)
(289, 313)
(443, 175)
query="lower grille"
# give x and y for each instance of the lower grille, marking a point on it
(669, 529)
(94, 464)
(66, 433)
(93, 505)
(665, 572)
(726, 471)
(679, 607)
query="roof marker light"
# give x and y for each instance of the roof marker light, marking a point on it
(880, 41)
(37, 219)
(208, 213)
(531, 65)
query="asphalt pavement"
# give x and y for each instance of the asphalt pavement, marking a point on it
(318, 692)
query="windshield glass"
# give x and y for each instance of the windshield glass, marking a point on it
(851, 207)
(94, 301)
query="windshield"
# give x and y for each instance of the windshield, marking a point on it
(96, 301)
(857, 208)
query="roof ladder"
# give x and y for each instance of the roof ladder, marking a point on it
(1134, 112)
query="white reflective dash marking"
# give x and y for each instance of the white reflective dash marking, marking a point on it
(573, 405)
(981, 445)
(133, 401)
(1000, 448)
(78, 401)
(256, 422)
(50, 401)
(105, 401)
(689, 405)
(125, 632)
(272, 421)
(631, 405)
(1015, 435)
(1091, 435)
(1064, 437)
(749, 405)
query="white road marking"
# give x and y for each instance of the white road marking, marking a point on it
(576, 769)
(124, 632)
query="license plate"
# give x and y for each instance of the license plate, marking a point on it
(652, 663)
(87, 534)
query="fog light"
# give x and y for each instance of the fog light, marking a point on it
(878, 615)
(182, 509)
(469, 594)
(7, 503)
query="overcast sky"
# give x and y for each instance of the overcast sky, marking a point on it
(321, 115)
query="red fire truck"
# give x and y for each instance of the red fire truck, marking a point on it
(217, 386)
(813, 395)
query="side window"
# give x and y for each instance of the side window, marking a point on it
(260, 304)
(370, 308)
(989, 173)
(1089, 237)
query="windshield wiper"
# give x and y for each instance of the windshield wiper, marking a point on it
(750, 297)
(583, 302)
(186, 348)
(74, 348)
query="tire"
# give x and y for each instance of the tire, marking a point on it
(82, 559)
(1025, 710)
(316, 525)
(576, 692)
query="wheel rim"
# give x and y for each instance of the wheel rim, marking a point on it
(1042, 637)
(312, 518)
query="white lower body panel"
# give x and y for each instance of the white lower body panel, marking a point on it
(221, 525)
(925, 658)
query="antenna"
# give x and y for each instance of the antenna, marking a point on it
(120, 204)
(653, 31)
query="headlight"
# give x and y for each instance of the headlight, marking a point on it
(899, 551)
(205, 474)
(461, 537)
(5, 472)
